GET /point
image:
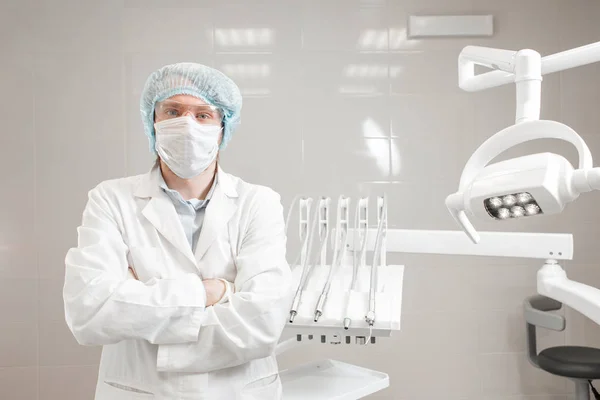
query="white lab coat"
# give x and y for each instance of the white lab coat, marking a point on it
(158, 337)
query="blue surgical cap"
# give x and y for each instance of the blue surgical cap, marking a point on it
(195, 80)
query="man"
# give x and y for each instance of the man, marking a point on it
(181, 273)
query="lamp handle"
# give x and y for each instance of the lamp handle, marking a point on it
(518, 134)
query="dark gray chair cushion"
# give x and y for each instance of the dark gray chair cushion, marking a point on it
(571, 361)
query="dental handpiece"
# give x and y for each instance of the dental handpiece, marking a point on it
(307, 269)
(323, 296)
(298, 295)
(370, 317)
(342, 231)
(362, 206)
(321, 302)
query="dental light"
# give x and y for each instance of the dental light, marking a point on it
(532, 185)
(523, 187)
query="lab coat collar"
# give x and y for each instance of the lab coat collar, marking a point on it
(161, 213)
(149, 185)
(225, 182)
(219, 211)
(163, 216)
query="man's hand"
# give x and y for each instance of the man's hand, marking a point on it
(215, 290)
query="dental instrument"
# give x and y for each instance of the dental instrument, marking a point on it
(321, 218)
(295, 200)
(337, 380)
(324, 230)
(338, 253)
(303, 225)
(305, 259)
(342, 292)
(361, 224)
(378, 258)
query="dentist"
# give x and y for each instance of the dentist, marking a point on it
(180, 274)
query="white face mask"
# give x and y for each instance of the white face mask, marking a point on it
(186, 146)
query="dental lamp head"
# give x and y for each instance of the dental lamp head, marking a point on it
(523, 187)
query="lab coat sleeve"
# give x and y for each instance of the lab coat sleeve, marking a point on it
(105, 305)
(249, 326)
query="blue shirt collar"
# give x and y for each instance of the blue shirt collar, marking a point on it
(176, 197)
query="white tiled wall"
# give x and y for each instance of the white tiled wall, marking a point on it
(337, 100)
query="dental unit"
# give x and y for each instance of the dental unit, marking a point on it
(345, 298)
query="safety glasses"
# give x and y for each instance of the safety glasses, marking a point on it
(203, 114)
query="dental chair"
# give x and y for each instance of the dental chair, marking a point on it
(581, 364)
